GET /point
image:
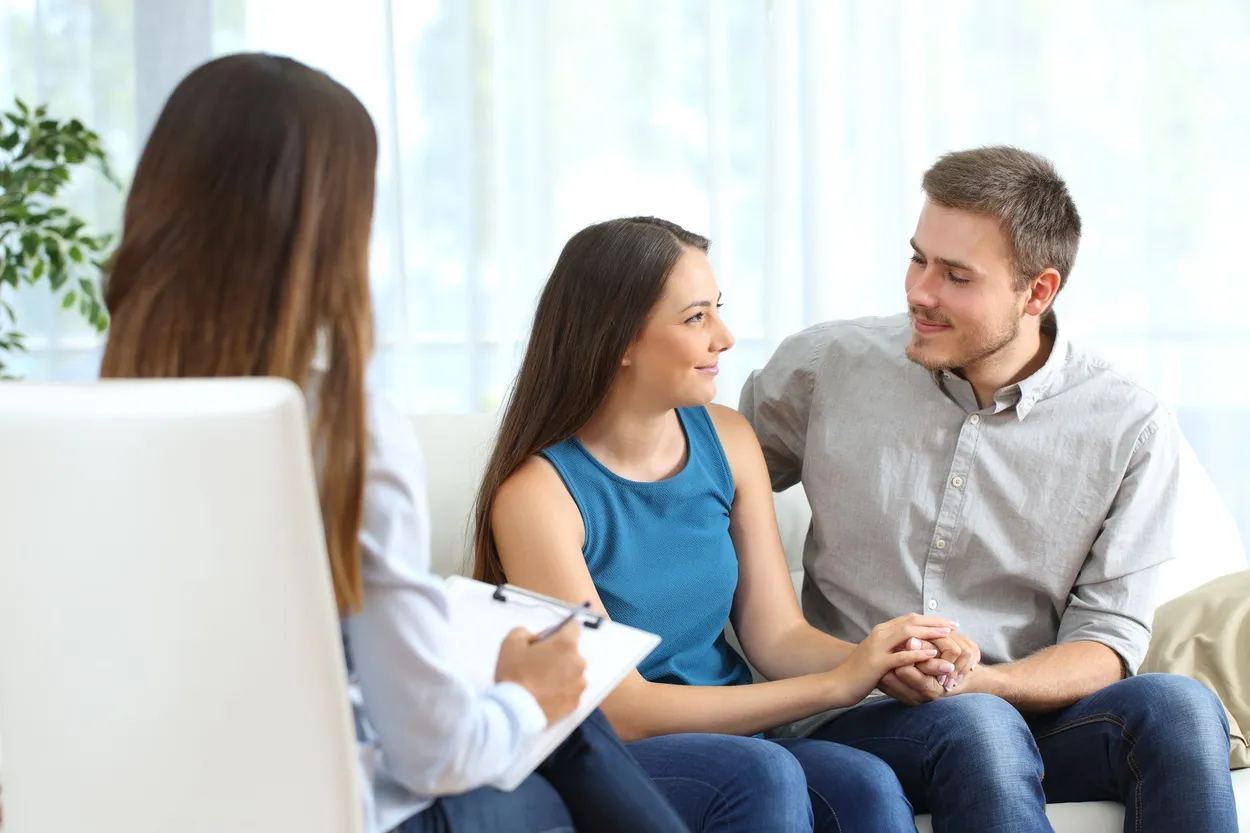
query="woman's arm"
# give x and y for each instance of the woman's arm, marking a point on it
(440, 736)
(539, 534)
(766, 616)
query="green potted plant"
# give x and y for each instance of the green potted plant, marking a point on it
(41, 240)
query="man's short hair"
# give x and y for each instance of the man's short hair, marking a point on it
(1024, 193)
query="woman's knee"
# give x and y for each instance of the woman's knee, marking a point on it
(739, 781)
(851, 789)
(769, 784)
(836, 767)
(750, 767)
(767, 763)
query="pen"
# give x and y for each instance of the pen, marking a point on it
(554, 629)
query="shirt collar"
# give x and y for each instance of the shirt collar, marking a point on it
(1038, 385)
(1022, 395)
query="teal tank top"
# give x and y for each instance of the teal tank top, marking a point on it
(660, 553)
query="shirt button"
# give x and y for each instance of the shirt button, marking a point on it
(932, 604)
(940, 544)
(957, 481)
(974, 419)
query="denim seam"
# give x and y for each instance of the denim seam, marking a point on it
(719, 794)
(888, 737)
(1115, 719)
(812, 792)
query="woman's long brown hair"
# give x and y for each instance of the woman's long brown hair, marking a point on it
(245, 241)
(605, 283)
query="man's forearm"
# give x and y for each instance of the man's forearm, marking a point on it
(1050, 679)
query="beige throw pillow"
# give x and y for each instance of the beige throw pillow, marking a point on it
(1205, 634)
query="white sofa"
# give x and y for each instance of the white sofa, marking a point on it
(455, 451)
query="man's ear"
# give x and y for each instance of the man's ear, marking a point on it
(1041, 292)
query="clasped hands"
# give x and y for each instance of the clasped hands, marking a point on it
(958, 657)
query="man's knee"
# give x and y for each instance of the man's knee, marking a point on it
(1173, 709)
(980, 718)
(984, 760)
(984, 730)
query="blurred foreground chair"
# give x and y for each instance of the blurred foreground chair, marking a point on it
(170, 657)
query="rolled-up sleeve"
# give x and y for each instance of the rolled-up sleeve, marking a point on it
(777, 401)
(1113, 600)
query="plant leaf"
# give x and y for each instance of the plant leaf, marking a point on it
(39, 238)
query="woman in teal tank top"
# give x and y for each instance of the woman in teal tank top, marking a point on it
(615, 480)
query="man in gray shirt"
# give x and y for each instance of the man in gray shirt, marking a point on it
(967, 460)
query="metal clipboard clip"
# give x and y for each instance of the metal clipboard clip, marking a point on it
(589, 619)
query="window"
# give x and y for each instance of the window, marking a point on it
(792, 133)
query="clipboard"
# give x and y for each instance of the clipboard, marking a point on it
(483, 614)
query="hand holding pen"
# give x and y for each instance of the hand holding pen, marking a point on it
(547, 665)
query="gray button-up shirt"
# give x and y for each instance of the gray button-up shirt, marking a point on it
(1039, 519)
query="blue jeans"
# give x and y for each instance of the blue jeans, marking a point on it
(730, 784)
(1157, 743)
(590, 783)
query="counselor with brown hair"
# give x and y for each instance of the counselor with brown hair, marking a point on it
(245, 252)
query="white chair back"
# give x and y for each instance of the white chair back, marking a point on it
(170, 657)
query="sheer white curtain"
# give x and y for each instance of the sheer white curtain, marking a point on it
(792, 133)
